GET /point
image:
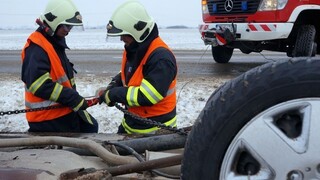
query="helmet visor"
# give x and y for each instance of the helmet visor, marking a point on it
(76, 20)
(114, 31)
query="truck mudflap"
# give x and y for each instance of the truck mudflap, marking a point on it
(223, 33)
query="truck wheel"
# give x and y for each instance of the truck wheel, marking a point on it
(221, 54)
(263, 124)
(305, 45)
(315, 47)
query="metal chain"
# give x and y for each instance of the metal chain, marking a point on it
(2, 113)
(34, 109)
(151, 122)
(141, 119)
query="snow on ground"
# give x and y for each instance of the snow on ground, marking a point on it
(192, 94)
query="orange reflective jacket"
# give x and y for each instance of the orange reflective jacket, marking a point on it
(167, 104)
(57, 74)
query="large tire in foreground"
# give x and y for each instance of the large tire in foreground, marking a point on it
(263, 124)
(221, 54)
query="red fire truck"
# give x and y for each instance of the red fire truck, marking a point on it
(257, 25)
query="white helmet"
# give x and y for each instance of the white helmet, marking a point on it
(61, 12)
(131, 18)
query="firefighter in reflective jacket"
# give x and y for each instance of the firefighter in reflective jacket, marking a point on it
(146, 84)
(48, 74)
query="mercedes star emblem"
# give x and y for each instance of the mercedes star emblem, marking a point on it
(228, 5)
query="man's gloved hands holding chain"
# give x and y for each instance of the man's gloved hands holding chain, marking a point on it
(103, 93)
(87, 102)
(105, 98)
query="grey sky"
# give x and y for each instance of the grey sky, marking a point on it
(22, 13)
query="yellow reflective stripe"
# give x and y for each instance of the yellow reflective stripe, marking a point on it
(106, 96)
(172, 123)
(124, 124)
(132, 96)
(88, 117)
(37, 83)
(72, 82)
(130, 130)
(150, 92)
(79, 105)
(56, 92)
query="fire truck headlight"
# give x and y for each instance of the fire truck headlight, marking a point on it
(271, 5)
(204, 7)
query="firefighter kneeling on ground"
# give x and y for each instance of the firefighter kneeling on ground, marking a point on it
(146, 84)
(48, 75)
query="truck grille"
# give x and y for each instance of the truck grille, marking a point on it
(217, 7)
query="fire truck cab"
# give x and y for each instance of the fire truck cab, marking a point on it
(257, 25)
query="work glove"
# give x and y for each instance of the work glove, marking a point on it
(102, 90)
(106, 99)
(99, 94)
(115, 82)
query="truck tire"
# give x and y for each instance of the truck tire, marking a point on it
(263, 124)
(221, 54)
(305, 45)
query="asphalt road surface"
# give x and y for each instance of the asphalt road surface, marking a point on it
(190, 62)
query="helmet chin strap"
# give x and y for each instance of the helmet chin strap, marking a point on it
(46, 28)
